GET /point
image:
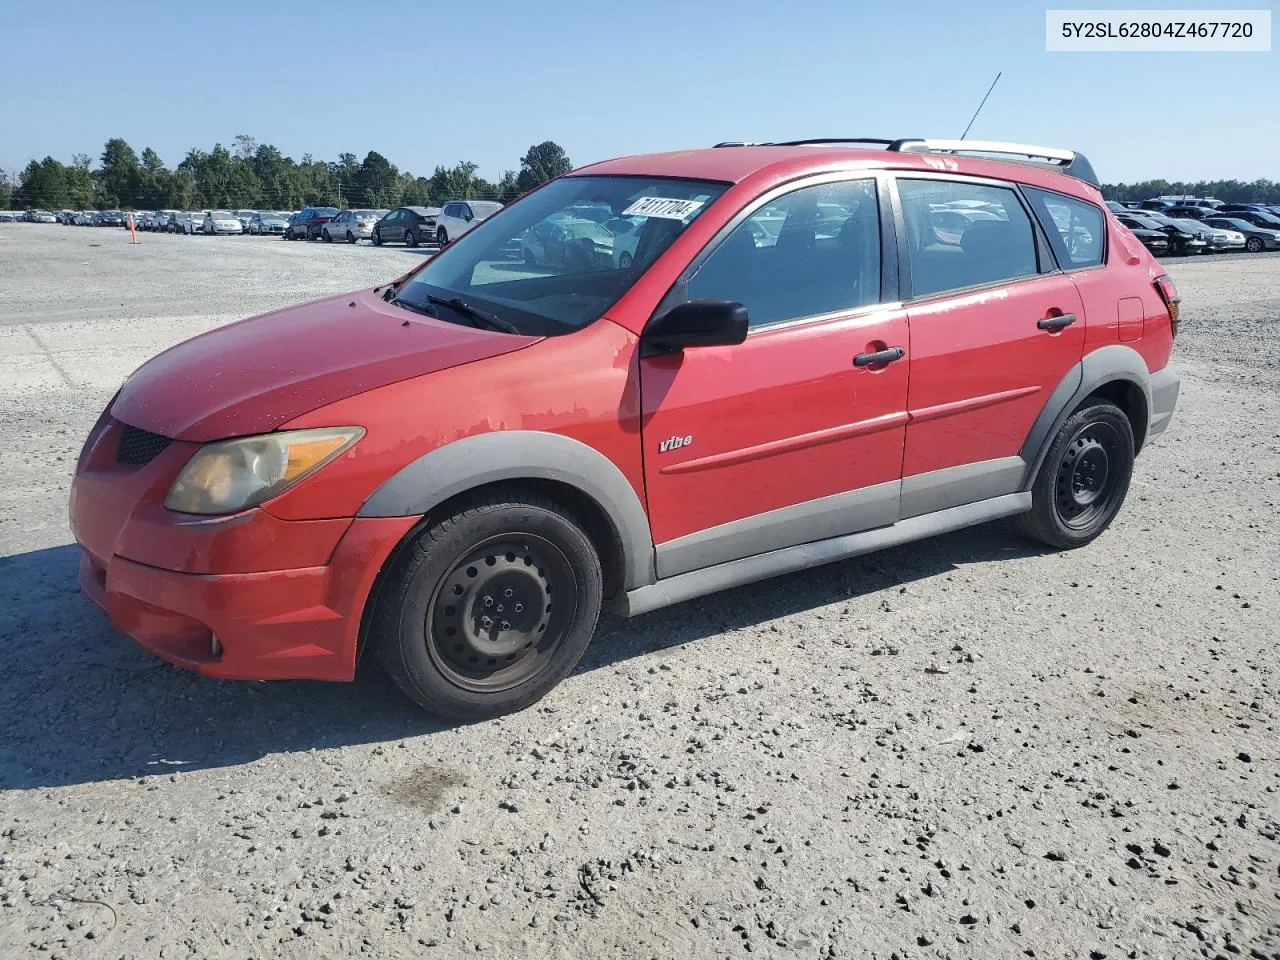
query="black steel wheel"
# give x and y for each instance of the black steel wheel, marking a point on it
(351, 237)
(500, 613)
(485, 611)
(442, 236)
(376, 237)
(1083, 479)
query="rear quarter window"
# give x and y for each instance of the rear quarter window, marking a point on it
(1076, 229)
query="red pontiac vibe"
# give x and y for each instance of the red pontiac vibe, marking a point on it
(651, 379)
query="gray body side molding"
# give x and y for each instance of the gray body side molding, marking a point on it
(522, 455)
(697, 583)
(1104, 365)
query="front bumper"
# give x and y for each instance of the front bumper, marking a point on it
(1165, 385)
(299, 624)
(283, 598)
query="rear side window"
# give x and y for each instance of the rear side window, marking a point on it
(1075, 228)
(964, 235)
(810, 252)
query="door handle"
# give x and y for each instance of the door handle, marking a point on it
(887, 355)
(1060, 322)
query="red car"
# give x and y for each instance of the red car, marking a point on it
(799, 362)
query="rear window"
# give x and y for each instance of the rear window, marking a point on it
(991, 241)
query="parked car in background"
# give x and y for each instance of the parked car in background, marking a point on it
(1256, 238)
(9, 216)
(1147, 232)
(1216, 240)
(191, 222)
(351, 225)
(221, 222)
(85, 218)
(162, 219)
(1182, 242)
(306, 223)
(412, 226)
(244, 216)
(111, 218)
(1259, 218)
(267, 223)
(459, 216)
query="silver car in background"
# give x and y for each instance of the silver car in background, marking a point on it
(221, 221)
(261, 224)
(351, 225)
(1216, 239)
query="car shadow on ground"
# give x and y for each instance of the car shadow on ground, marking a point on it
(83, 704)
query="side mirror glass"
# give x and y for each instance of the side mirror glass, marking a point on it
(698, 323)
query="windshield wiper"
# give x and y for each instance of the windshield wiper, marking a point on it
(410, 305)
(490, 320)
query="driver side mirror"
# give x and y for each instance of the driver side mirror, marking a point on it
(698, 323)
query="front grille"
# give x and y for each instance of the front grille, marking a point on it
(139, 447)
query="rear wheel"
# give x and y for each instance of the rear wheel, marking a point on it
(487, 610)
(410, 239)
(328, 237)
(1083, 480)
(351, 237)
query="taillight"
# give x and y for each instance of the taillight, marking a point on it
(1169, 294)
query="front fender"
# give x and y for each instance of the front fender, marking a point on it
(523, 455)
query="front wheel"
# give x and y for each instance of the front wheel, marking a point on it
(351, 237)
(487, 610)
(1083, 480)
(376, 238)
(442, 236)
(328, 237)
(1253, 245)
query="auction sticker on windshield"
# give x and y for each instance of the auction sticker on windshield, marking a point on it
(661, 207)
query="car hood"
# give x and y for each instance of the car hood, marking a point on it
(255, 375)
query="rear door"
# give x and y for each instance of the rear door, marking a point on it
(995, 326)
(791, 436)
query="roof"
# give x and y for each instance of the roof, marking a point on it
(779, 163)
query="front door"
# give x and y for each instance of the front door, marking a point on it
(994, 329)
(796, 434)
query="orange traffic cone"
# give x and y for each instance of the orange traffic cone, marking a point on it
(133, 229)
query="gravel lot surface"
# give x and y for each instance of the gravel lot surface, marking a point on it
(962, 748)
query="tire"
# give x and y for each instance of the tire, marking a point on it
(376, 238)
(410, 240)
(1253, 245)
(446, 654)
(328, 237)
(1083, 480)
(442, 236)
(351, 237)
(624, 261)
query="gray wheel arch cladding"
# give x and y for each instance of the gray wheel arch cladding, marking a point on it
(522, 455)
(1109, 364)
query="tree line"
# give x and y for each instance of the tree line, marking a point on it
(252, 175)
(255, 175)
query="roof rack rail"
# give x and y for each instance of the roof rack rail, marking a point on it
(1067, 161)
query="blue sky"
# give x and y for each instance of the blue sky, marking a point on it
(436, 82)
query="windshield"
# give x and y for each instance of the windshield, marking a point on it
(548, 269)
(220, 215)
(365, 214)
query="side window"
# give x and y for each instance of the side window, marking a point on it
(813, 251)
(1076, 229)
(984, 235)
(450, 209)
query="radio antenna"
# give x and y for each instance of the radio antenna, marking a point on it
(981, 105)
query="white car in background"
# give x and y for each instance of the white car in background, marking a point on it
(221, 221)
(163, 218)
(189, 221)
(459, 216)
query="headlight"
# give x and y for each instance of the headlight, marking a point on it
(231, 475)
